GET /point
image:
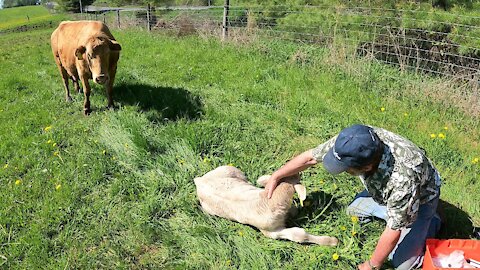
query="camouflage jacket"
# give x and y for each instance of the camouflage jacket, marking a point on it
(405, 178)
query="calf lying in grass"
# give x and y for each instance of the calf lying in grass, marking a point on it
(226, 192)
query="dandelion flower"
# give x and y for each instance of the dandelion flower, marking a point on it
(475, 160)
(57, 187)
(18, 182)
(56, 153)
(441, 135)
(5, 166)
(322, 182)
(445, 127)
(240, 233)
(343, 228)
(126, 145)
(228, 262)
(382, 109)
(433, 135)
(405, 114)
(54, 144)
(206, 160)
(354, 219)
(354, 233)
(49, 141)
(47, 128)
(335, 256)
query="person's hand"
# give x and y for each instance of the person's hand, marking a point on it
(364, 266)
(270, 186)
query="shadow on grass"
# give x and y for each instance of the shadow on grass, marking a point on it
(160, 103)
(457, 223)
(316, 206)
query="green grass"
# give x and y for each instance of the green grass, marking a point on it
(28, 15)
(115, 190)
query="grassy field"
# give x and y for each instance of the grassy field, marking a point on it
(115, 190)
(28, 15)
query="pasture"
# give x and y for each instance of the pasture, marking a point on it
(115, 190)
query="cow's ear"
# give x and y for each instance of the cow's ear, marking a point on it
(114, 46)
(79, 52)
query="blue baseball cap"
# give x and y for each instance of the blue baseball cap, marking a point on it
(355, 147)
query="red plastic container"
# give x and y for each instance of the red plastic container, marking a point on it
(434, 247)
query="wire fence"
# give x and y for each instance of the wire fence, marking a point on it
(436, 43)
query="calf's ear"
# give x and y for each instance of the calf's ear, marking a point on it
(79, 52)
(115, 46)
(302, 192)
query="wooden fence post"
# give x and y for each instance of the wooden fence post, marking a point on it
(118, 18)
(225, 20)
(148, 18)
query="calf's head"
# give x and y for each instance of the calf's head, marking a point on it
(97, 53)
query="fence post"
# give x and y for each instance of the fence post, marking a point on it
(148, 18)
(225, 20)
(118, 18)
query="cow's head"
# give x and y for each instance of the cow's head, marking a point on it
(97, 52)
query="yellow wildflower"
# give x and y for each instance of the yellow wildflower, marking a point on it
(47, 128)
(126, 145)
(322, 182)
(49, 141)
(5, 166)
(441, 135)
(181, 161)
(56, 153)
(433, 135)
(354, 233)
(228, 262)
(445, 127)
(57, 187)
(240, 233)
(230, 164)
(382, 109)
(475, 160)
(343, 228)
(54, 144)
(18, 182)
(354, 219)
(405, 114)
(335, 186)
(206, 160)
(335, 256)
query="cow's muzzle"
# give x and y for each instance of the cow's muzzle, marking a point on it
(101, 79)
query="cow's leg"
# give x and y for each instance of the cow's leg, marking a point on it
(76, 85)
(299, 235)
(65, 76)
(109, 86)
(86, 93)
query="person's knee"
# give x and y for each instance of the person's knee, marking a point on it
(408, 264)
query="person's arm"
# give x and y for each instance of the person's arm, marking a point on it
(385, 245)
(294, 166)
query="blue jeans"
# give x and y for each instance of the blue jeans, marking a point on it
(409, 251)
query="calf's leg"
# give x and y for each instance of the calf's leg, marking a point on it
(299, 235)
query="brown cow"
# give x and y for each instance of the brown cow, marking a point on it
(86, 50)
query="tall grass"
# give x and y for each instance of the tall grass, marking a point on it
(115, 190)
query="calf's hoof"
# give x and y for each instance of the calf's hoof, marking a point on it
(87, 111)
